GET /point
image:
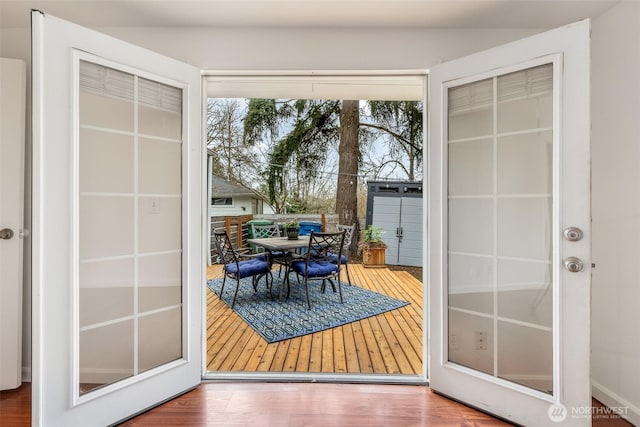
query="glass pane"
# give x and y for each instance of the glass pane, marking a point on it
(524, 163)
(471, 110)
(106, 226)
(464, 348)
(525, 99)
(160, 279)
(471, 158)
(515, 361)
(471, 280)
(101, 154)
(159, 166)
(106, 291)
(106, 355)
(471, 225)
(159, 224)
(130, 225)
(160, 110)
(104, 89)
(500, 223)
(160, 338)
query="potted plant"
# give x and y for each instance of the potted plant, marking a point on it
(373, 247)
(292, 229)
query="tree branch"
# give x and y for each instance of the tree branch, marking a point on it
(394, 134)
(388, 162)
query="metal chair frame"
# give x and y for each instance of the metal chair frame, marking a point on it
(230, 256)
(268, 231)
(322, 251)
(348, 237)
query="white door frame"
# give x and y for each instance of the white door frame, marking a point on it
(329, 83)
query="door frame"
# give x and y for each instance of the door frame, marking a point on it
(277, 78)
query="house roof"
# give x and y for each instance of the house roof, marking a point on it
(220, 187)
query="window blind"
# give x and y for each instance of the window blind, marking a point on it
(529, 83)
(104, 81)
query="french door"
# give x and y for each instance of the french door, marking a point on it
(117, 262)
(509, 264)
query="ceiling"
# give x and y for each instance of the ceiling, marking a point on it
(539, 14)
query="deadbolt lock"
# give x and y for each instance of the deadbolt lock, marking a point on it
(572, 234)
(6, 233)
(573, 264)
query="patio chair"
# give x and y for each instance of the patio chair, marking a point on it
(320, 261)
(265, 232)
(255, 266)
(344, 258)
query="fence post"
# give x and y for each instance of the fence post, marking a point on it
(227, 225)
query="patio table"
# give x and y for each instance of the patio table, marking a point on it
(285, 245)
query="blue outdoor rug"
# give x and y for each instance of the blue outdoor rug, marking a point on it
(277, 320)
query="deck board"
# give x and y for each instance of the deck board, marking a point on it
(390, 343)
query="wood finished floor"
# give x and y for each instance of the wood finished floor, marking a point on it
(293, 404)
(390, 343)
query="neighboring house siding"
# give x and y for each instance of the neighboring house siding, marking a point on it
(232, 199)
(235, 208)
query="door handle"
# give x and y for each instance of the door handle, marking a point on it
(6, 234)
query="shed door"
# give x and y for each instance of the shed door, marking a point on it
(386, 214)
(410, 235)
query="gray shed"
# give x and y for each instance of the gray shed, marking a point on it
(396, 206)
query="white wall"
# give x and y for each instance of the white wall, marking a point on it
(314, 49)
(296, 48)
(616, 207)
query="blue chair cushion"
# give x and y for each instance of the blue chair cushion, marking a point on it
(248, 268)
(316, 269)
(334, 258)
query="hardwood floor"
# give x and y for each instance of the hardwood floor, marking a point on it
(390, 343)
(293, 404)
(15, 406)
(306, 404)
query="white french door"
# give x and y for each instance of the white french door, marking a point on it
(509, 265)
(117, 194)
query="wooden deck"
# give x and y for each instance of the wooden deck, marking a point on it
(390, 343)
